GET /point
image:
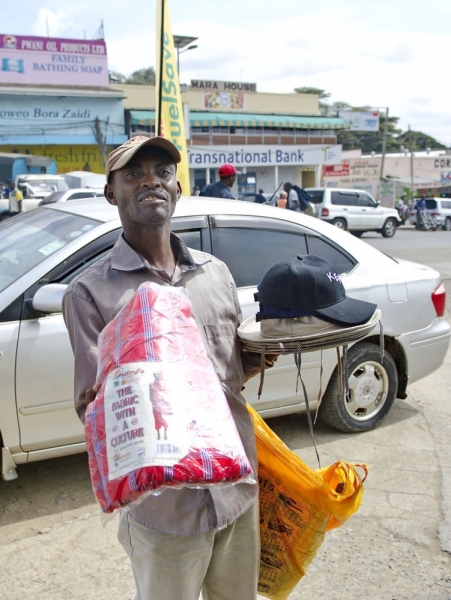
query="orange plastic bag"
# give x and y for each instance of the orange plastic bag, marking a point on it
(297, 506)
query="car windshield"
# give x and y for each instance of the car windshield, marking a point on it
(27, 240)
(37, 186)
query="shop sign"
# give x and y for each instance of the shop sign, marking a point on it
(364, 168)
(361, 121)
(341, 170)
(22, 115)
(222, 86)
(253, 155)
(442, 163)
(53, 61)
(224, 100)
(83, 157)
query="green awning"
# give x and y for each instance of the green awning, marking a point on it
(142, 117)
(219, 119)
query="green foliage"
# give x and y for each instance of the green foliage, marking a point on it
(142, 77)
(312, 90)
(139, 77)
(369, 141)
(417, 140)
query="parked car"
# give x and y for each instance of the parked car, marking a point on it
(250, 197)
(72, 194)
(354, 210)
(439, 210)
(34, 187)
(271, 199)
(41, 251)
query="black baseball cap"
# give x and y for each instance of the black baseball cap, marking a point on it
(304, 285)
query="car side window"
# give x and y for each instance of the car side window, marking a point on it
(344, 199)
(365, 200)
(342, 262)
(249, 253)
(192, 238)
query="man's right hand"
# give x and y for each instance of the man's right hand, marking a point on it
(91, 393)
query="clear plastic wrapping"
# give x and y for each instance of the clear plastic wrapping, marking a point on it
(160, 418)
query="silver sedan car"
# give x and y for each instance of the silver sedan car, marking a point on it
(41, 251)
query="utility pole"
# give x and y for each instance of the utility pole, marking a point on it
(384, 143)
(100, 141)
(412, 185)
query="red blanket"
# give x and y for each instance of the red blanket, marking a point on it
(161, 418)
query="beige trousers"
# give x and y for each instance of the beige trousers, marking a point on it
(222, 564)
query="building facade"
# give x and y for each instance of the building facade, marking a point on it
(270, 138)
(55, 101)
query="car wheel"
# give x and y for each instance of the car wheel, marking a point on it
(340, 223)
(372, 391)
(357, 233)
(447, 225)
(389, 228)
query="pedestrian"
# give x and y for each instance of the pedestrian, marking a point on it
(186, 540)
(15, 199)
(282, 201)
(295, 202)
(222, 188)
(196, 191)
(259, 198)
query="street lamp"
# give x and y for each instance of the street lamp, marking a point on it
(183, 41)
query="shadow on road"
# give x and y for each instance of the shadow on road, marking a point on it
(295, 432)
(45, 488)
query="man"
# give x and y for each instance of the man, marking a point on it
(294, 202)
(259, 198)
(182, 541)
(15, 199)
(222, 188)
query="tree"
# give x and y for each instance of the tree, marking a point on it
(142, 77)
(371, 141)
(312, 90)
(322, 95)
(139, 77)
(418, 140)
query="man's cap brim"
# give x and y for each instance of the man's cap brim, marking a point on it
(252, 339)
(125, 153)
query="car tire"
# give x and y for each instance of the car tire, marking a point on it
(340, 223)
(447, 224)
(389, 228)
(357, 233)
(372, 391)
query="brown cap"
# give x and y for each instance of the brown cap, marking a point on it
(119, 157)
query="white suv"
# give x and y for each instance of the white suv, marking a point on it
(354, 210)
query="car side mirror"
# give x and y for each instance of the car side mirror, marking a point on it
(377, 203)
(49, 298)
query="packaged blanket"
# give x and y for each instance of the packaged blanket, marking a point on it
(161, 418)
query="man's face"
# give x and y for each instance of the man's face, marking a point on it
(146, 190)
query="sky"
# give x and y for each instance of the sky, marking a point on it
(393, 53)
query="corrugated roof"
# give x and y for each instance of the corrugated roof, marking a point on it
(219, 119)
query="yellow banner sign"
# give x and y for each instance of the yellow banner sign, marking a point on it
(169, 121)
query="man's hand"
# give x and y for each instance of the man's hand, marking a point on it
(252, 363)
(91, 393)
